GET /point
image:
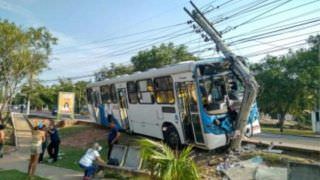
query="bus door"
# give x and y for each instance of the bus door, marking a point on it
(188, 111)
(123, 106)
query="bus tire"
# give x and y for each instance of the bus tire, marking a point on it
(249, 131)
(171, 138)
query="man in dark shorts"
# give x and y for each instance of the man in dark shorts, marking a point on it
(53, 148)
(113, 137)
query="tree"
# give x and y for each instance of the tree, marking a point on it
(22, 52)
(113, 71)
(160, 56)
(289, 83)
(164, 163)
(47, 96)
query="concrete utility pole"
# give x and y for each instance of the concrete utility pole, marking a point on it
(238, 67)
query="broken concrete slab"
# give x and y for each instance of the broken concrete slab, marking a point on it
(133, 159)
(118, 152)
(271, 173)
(240, 173)
(298, 171)
(241, 170)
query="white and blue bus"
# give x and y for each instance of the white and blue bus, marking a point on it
(193, 102)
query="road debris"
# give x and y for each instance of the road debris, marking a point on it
(253, 168)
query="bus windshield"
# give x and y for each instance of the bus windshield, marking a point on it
(219, 89)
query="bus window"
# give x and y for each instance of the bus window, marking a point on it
(164, 90)
(105, 93)
(113, 94)
(89, 95)
(145, 91)
(132, 92)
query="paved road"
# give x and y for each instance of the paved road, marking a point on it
(49, 116)
(296, 141)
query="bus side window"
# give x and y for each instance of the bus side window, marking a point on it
(164, 90)
(113, 94)
(105, 93)
(89, 95)
(146, 91)
(132, 92)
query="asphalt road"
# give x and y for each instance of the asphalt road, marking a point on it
(301, 141)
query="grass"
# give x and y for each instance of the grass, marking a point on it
(16, 175)
(296, 132)
(72, 155)
(72, 130)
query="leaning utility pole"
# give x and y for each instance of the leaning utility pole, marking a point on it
(238, 67)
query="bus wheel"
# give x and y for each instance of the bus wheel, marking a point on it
(248, 132)
(171, 138)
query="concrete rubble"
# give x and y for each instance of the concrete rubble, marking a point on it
(251, 169)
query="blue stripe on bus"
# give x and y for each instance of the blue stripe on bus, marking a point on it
(104, 120)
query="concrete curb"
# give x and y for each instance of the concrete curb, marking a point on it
(14, 130)
(283, 146)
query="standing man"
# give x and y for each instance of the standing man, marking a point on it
(2, 137)
(53, 148)
(108, 111)
(113, 137)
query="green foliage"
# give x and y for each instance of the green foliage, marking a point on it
(164, 163)
(113, 71)
(290, 83)
(295, 132)
(160, 56)
(41, 96)
(156, 57)
(23, 53)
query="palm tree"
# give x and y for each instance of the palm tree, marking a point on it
(164, 163)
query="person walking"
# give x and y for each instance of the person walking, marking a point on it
(44, 144)
(113, 137)
(87, 161)
(53, 148)
(2, 139)
(37, 139)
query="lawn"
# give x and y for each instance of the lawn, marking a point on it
(296, 132)
(72, 130)
(72, 155)
(16, 175)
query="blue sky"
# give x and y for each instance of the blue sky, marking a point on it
(81, 25)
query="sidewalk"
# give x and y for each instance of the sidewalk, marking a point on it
(19, 160)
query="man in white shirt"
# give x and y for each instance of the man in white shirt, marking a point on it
(87, 161)
(108, 111)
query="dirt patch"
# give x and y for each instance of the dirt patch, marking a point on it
(85, 138)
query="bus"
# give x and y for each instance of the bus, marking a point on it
(192, 102)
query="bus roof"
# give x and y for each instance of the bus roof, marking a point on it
(185, 66)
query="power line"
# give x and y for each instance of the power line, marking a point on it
(277, 13)
(255, 17)
(127, 35)
(278, 31)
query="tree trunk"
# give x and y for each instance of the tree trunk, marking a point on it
(281, 122)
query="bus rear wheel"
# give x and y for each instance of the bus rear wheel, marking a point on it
(171, 138)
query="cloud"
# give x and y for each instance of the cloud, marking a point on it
(19, 10)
